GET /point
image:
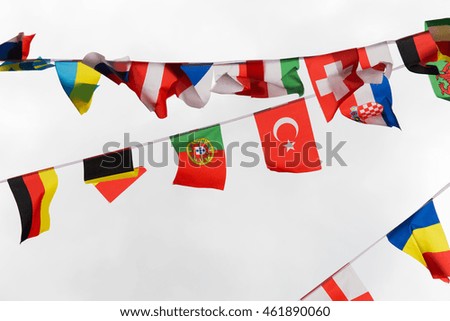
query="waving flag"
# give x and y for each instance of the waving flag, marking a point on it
(110, 166)
(79, 82)
(16, 48)
(33, 193)
(113, 188)
(422, 237)
(375, 62)
(153, 83)
(287, 138)
(440, 31)
(416, 51)
(195, 88)
(35, 64)
(344, 285)
(334, 78)
(259, 78)
(371, 104)
(116, 70)
(112, 173)
(201, 158)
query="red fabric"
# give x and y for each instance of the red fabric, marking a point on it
(211, 175)
(333, 290)
(112, 189)
(426, 47)
(363, 297)
(303, 157)
(316, 69)
(439, 264)
(36, 190)
(26, 41)
(251, 76)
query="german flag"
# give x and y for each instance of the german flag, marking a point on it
(416, 51)
(112, 173)
(110, 166)
(33, 193)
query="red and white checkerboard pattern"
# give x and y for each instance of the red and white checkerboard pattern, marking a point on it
(369, 110)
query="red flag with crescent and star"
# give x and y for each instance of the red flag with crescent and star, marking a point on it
(287, 138)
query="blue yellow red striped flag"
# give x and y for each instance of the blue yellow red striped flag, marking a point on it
(422, 237)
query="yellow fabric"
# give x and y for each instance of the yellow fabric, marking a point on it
(427, 239)
(50, 181)
(441, 56)
(85, 84)
(131, 174)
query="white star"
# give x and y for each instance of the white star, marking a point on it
(289, 145)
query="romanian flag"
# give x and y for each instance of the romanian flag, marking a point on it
(33, 193)
(16, 48)
(422, 237)
(201, 158)
(79, 82)
(112, 173)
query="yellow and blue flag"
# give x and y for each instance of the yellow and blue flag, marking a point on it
(79, 82)
(34, 64)
(422, 237)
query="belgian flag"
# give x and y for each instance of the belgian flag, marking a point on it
(416, 51)
(33, 193)
(111, 173)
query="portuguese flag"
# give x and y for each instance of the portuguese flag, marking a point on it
(201, 158)
(33, 193)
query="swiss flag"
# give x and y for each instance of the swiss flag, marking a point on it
(334, 77)
(287, 138)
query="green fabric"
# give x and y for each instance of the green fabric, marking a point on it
(213, 134)
(289, 76)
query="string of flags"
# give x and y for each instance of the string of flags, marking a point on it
(353, 81)
(421, 236)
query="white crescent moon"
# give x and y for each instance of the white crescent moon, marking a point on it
(282, 121)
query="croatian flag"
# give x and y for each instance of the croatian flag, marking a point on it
(371, 104)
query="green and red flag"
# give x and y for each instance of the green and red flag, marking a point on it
(440, 32)
(201, 158)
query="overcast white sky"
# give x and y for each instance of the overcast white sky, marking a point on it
(268, 236)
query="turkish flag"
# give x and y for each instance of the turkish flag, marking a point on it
(334, 78)
(287, 138)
